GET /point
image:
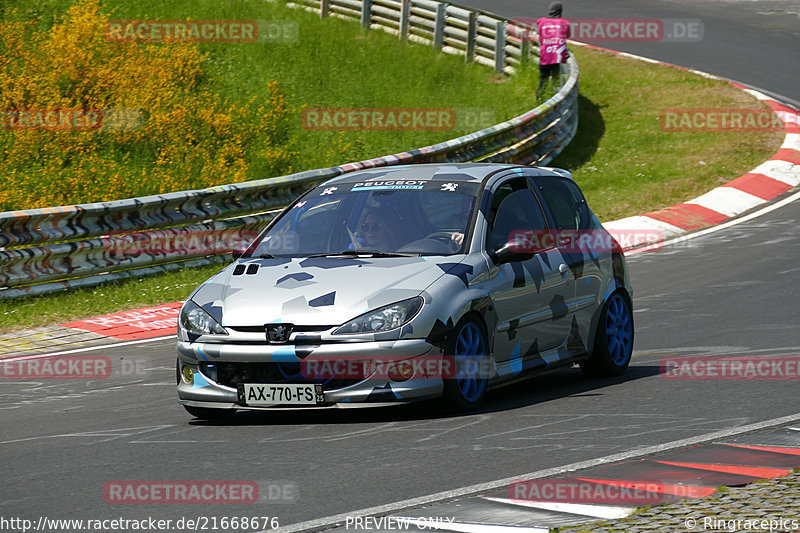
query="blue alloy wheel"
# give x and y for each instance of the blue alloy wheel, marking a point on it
(613, 344)
(619, 330)
(469, 349)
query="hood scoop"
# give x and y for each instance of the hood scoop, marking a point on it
(252, 268)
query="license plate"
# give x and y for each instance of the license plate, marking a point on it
(280, 394)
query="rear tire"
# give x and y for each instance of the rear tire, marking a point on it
(613, 342)
(469, 350)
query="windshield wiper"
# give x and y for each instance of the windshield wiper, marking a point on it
(372, 253)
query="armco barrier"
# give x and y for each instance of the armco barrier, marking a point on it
(45, 250)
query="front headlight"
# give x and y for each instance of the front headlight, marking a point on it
(196, 321)
(384, 319)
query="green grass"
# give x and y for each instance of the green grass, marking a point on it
(621, 158)
(332, 64)
(336, 64)
(57, 308)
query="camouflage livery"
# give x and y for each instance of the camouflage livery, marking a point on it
(539, 313)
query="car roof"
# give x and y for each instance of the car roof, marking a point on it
(461, 172)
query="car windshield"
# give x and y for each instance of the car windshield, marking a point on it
(398, 217)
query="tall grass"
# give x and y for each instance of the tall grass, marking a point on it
(213, 113)
(184, 134)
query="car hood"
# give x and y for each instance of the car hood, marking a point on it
(315, 291)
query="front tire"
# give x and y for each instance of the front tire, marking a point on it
(613, 342)
(469, 350)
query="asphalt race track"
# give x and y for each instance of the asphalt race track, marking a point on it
(731, 292)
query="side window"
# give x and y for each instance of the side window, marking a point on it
(566, 203)
(513, 208)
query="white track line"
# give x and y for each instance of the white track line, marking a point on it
(471, 490)
(607, 512)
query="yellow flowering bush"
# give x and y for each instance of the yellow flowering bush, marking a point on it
(140, 118)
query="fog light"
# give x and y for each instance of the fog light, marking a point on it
(401, 372)
(187, 374)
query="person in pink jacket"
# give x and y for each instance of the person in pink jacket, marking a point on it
(553, 34)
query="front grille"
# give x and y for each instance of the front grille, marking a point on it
(301, 335)
(231, 374)
(298, 329)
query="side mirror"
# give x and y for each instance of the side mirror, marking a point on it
(510, 252)
(236, 253)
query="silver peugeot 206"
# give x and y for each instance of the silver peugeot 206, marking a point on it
(405, 283)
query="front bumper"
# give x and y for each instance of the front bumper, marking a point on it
(205, 391)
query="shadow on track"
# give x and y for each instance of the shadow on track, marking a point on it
(526, 393)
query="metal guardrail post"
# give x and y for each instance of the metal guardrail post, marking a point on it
(500, 46)
(524, 51)
(438, 26)
(472, 30)
(324, 7)
(366, 13)
(405, 10)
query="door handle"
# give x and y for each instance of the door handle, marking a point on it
(563, 269)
